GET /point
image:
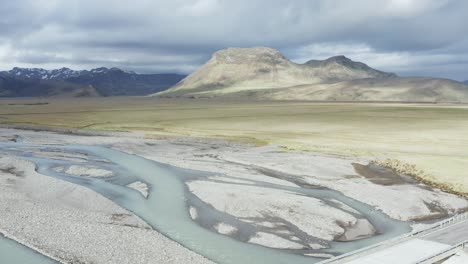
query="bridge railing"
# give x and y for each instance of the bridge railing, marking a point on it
(449, 221)
(368, 248)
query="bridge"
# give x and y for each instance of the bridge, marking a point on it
(426, 246)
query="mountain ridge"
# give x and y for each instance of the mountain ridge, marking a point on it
(105, 81)
(13, 87)
(264, 68)
(333, 63)
(264, 73)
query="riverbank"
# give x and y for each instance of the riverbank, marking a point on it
(288, 221)
(74, 224)
(430, 137)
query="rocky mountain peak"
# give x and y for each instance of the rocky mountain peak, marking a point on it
(249, 55)
(341, 65)
(339, 59)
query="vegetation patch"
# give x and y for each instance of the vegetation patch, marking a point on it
(402, 167)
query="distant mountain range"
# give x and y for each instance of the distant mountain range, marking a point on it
(264, 73)
(21, 82)
(259, 73)
(465, 82)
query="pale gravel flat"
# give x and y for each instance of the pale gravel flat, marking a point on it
(77, 225)
(245, 163)
(86, 171)
(331, 171)
(273, 241)
(198, 155)
(236, 160)
(193, 212)
(308, 214)
(140, 187)
(362, 228)
(225, 229)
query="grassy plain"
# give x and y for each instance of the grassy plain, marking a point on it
(433, 137)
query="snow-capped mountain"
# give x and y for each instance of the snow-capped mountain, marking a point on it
(57, 74)
(38, 73)
(106, 81)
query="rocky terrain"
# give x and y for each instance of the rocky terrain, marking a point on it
(30, 82)
(264, 73)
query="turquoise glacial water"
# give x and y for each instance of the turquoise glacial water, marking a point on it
(166, 208)
(12, 252)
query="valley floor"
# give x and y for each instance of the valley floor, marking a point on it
(258, 194)
(427, 141)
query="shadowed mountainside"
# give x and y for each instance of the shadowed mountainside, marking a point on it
(264, 73)
(13, 87)
(104, 82)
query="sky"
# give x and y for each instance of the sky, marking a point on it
(408, 37)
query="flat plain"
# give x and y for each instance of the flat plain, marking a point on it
(432, 137)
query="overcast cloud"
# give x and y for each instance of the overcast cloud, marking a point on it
(409, 37)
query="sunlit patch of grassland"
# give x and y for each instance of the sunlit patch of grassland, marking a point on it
(432, 137)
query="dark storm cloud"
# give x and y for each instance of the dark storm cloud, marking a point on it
(409, 37)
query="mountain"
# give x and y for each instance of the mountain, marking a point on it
(42, 74)
(105, 82)
(240, 69)
(465, 82)
(13, 87)
(245, 69)
(409, 89)
(264, 73)
(111, 82)
(340, 68)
